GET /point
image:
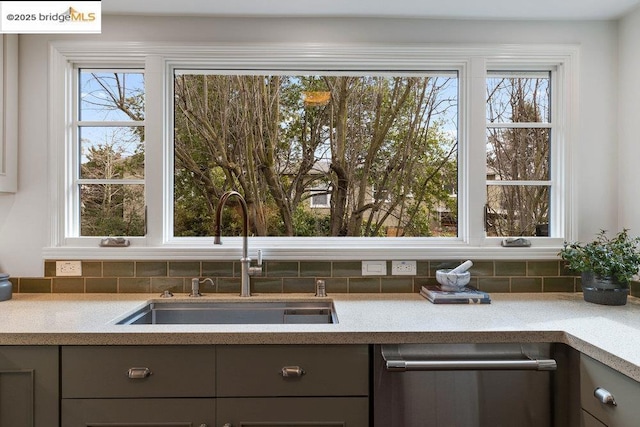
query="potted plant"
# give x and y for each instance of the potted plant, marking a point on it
(607, 265)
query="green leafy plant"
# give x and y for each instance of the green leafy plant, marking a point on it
(616, 257)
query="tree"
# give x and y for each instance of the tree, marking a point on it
(374, 132)
(518, 153)
(389, 160)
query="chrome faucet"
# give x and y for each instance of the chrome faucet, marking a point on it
(245, 261)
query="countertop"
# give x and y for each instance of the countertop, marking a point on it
(610, 334)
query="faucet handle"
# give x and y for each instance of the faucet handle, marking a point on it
(256, 270)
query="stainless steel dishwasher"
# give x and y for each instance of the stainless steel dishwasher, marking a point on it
(463, 385)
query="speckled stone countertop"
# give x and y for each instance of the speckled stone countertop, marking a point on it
(610, 334)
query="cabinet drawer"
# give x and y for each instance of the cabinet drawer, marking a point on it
(327, 370)
(138, 412)
(293, 411)
(625, 391)
(587, 420)
(175, 371)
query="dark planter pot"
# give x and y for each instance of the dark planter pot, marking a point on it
(604, 291)
(6, 288)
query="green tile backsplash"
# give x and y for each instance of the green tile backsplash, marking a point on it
(296, 277)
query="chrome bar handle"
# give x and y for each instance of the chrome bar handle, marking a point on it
(467, 365)
(604, 396)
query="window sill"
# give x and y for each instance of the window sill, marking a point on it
(312, 249)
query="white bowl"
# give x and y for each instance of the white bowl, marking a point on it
(452, 281)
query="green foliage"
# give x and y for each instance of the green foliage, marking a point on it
(616, 257)
(309, 224)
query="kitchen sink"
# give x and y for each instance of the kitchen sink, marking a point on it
(231, 312)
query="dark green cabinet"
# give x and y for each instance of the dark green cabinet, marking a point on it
(293, 411)
(298, 385)
(155, 412)
(169, 386)
(29, 386)
(221, 385)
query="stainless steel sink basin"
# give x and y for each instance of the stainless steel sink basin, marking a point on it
(231, 312)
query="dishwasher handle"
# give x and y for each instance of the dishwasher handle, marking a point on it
(401, 365)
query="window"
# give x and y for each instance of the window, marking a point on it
(427, 151)
(275, 137)
(319, 198)
(519, 138)
(109, 186)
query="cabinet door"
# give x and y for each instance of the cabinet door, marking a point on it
(138, 412)
(293, 412)
(28, 386)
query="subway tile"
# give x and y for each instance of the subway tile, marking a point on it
(172, 284)
(118, 269)
(68, 285)
(364, 284)
(100, 285)
(151, 269)
(217, 268)
(494, 284)
(442, 265)
(282, 268)
(422, 268)
(184, 269)
(634, 288)
(92, 268)
(33, 285)
(134, 285)
(526, 284)
(543, 268)
(228, 285)
(49, 269)
(511, 268)
(396, 284)
(299, 285)
(419, 282)
(315, 268)
(266, 285)
(336, 285)
(482, 268)
(558, 284)
(346, 268)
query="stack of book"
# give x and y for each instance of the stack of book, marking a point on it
(466, 295)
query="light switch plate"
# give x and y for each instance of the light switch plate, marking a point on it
(68, 268)
(374, 268)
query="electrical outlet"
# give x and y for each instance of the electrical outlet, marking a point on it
(68, 268)
(403, 268)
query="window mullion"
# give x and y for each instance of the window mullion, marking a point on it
(476, 155)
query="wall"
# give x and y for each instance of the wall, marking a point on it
(629, 118)
(24, 216)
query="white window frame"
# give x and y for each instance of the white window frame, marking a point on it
(73, 213)
(159, 60)
(319, 192)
